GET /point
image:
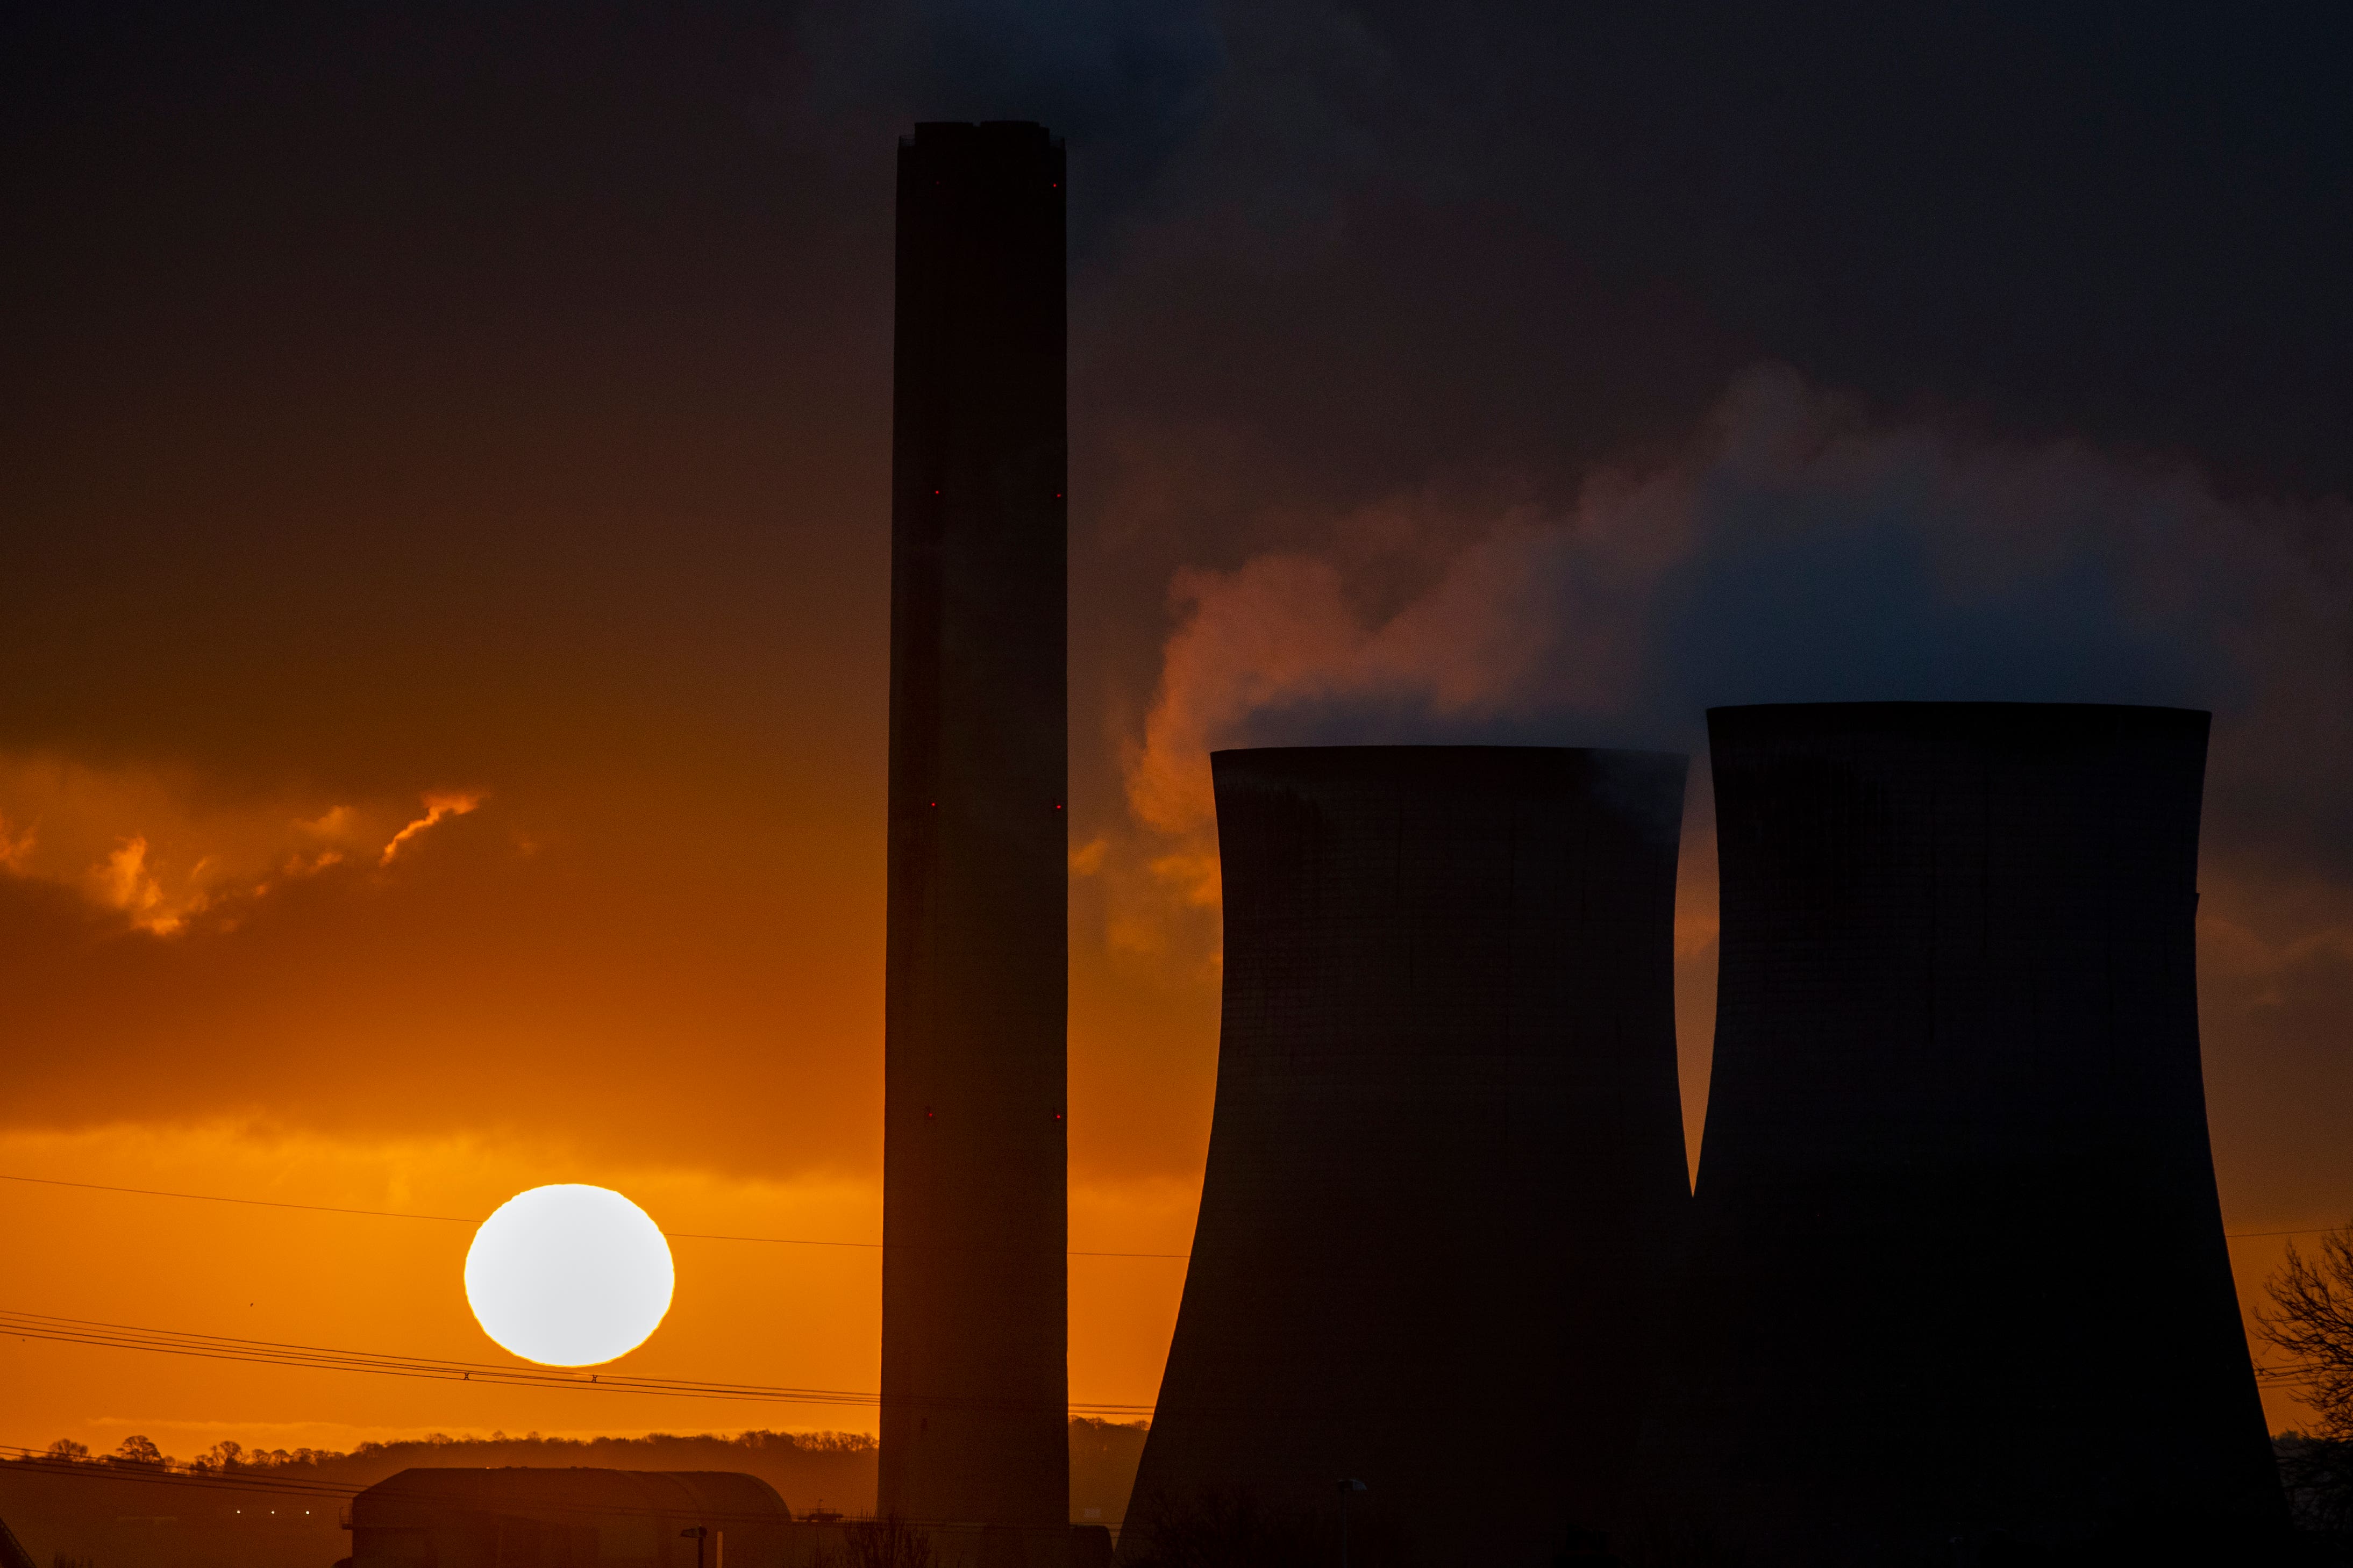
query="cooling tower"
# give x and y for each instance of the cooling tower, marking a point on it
(1446, 1171)
(12, 1552)
(1959, 1287)
(974, 1394)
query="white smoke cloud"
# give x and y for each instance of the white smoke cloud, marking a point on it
(1795, 552)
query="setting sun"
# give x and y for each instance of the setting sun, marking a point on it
(569, 1275)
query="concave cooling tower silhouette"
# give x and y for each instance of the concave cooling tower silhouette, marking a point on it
(1958, 1283)
(1446, 1175)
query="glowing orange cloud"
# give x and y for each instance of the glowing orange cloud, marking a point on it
(436, 807)
(125, 882)
(147, 843)
(14, 848)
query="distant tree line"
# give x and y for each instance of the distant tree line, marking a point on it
(809, 1470)
(228, 1456)
(833, 1470)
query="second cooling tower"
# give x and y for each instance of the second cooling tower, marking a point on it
(1446, 1172)
(1959, 1292)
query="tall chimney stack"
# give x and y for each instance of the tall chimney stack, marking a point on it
(974, 1384)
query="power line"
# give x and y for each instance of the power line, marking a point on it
(271, 1352)
(457, 1219)
(250, 1203)
(41, 1462)
(765, 1240)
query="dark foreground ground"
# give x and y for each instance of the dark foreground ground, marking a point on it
(265, 1512)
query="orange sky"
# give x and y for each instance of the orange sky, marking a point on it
(766, 1313)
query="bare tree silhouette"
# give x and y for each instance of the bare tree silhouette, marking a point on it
(887, 1541)
(2310, 1318)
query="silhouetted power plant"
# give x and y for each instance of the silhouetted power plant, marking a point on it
(1954, 1280)
(1446, 1174)
(1959, 1277)
(974, 1390)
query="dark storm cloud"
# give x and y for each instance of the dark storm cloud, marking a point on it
(2118, 215)
(1552, 229)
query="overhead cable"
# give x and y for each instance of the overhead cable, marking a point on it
(458, 1219)
(219, 1347)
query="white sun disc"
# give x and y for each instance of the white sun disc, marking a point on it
(569, 1275)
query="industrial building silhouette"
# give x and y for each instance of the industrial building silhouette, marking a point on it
(575, 1518)
(1959, 1281)
(974, 1390)
(1446, 1174)
(463, 1517)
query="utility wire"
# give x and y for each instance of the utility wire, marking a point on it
(267, 1352)
(41, 1462)
(457, 1219)
(702, 1235)
(220, 1347)
(252, 1202)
